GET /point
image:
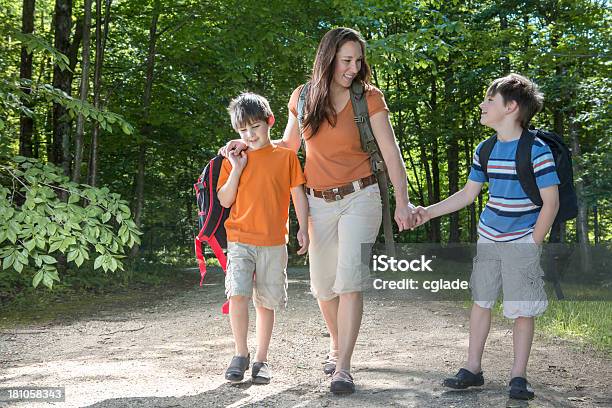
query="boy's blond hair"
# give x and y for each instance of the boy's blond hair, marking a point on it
(525, 93)
(247, 108)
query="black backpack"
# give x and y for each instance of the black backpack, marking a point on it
(568, 203)
(211, 218)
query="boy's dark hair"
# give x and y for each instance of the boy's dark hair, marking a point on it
(247, 108)
(526, 94)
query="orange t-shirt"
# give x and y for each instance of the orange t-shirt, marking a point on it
(333, 155)
(260, 213)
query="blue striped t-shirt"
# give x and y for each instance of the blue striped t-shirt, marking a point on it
(509, 213)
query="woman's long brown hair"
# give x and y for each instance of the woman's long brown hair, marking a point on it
(318, 101)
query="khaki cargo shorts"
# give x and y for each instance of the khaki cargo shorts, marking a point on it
(257, 271)
(513, 267)
(338, 230)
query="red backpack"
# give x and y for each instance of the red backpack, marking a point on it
(211, 219)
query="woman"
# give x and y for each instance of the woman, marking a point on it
(335, 162)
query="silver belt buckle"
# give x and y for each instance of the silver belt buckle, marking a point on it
(338, 196)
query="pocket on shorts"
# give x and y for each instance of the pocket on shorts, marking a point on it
(533, 282)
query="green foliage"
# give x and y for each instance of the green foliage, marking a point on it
(34, 43)
(44, 216)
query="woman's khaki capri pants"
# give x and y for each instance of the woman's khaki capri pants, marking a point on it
(337, 231)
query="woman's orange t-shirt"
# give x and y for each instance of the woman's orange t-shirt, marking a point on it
(333, 155)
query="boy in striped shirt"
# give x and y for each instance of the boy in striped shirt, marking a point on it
(511, 230)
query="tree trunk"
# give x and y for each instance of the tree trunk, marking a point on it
(582, 231)
(452, 157)
(435, 167)
(428, 180)
(145, 129)
(80, 128)
(92, 168)
(61, 80)
(557, 232)
(453, 187)
(26, 123)
(596, 223)
(505, 46)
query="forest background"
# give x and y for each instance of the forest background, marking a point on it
(127, 99)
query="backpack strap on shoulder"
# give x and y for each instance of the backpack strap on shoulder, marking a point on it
(370, 146)
(301, 105)
(524, 166)
(362, 120)
(485, 153)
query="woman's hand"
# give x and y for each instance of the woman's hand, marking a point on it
(404, 216)
(238, 160)
(236, 144)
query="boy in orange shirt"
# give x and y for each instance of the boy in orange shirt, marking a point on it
(257, 184)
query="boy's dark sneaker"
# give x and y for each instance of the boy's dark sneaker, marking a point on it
(260, 373)
(342, 383)
(463, 379)
(236, 369)
(520, 389)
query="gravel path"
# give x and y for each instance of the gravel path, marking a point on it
(170, 348)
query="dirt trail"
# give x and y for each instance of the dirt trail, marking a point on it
(172, 349)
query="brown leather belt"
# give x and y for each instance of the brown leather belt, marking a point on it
(338, 193)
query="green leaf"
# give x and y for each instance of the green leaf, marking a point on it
(51, 230)
(48, 259)
(30, 245)
(40, 243)
(37, 278)
(18, 266)
(8, 261)
(112, 264)
(55, 246)
(98, 261)
(73, 199)
(72, 255)
(79, 260)
(47, 281)
(106, 216)
(53, 275)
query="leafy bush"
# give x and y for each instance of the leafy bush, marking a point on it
(43, 215)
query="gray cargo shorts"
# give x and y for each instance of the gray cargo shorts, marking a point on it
(513, 267)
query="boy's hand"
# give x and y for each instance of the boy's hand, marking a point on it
(421, 215)
(238, 159)
(232, 145)
(303, 240)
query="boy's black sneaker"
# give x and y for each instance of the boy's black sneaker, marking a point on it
(463, 379)
(236, 369)
(520, 389)
(260, 373)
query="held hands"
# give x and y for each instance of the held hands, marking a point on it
(421, 216)
(404, 216)
(232, 145)
(303, 241)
